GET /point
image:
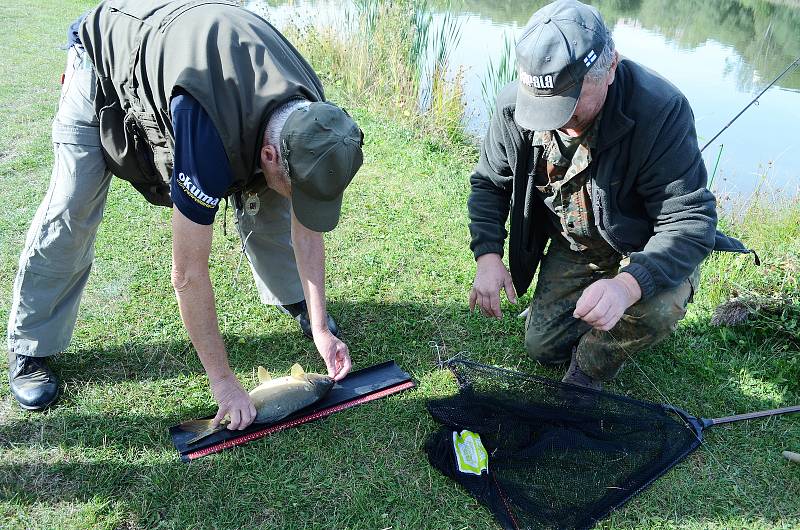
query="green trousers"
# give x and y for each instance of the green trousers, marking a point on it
(551, 332)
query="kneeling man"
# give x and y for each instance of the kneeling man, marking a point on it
(598, 155)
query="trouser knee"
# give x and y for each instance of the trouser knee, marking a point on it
(547, 349)
(602, 354)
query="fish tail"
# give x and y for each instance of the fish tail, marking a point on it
(201, 429)
(205, 434)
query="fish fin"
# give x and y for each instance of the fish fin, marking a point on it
(263, 374)
(201, 429)
(297, 371)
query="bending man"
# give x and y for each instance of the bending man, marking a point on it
(191, 103)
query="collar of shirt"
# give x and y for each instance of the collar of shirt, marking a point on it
(544, 138)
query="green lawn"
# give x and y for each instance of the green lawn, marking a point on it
(399, 272)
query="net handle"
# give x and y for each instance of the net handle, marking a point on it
(750, 416)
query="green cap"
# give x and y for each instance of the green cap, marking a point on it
(322, 145)
(558, 46)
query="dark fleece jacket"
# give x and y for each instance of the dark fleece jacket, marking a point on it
(649, 191)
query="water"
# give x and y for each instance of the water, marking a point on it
(720, 53)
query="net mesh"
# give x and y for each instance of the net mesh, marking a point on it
(559, 456)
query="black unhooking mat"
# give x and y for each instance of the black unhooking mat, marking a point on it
(556, 456)
(360, 386)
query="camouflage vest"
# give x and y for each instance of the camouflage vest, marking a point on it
(234, 63)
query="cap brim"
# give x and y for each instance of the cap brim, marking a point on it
(545, 113)
(314, 214)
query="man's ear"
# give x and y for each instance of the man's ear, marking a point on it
(612, 71)
(269, 157)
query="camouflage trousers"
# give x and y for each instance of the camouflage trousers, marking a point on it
(551, 332)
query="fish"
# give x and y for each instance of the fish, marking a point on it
(791, 456)
(273, 399)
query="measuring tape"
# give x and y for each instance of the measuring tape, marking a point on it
(249, 437)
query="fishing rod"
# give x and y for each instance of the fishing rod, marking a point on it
(793, 64)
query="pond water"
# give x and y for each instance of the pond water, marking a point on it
(720, 53)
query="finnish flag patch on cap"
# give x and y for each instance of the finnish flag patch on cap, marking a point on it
(590, 58)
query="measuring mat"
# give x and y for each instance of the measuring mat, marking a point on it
(361, 386)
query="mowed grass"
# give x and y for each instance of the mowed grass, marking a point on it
(399, 270)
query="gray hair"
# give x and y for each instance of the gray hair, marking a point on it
(601, 66)
(275, 123)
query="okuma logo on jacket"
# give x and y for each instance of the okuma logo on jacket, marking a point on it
(542, 82)
(192, 190)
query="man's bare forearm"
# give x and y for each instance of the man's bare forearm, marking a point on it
(191, 246)
(309, 250)
(196, 303)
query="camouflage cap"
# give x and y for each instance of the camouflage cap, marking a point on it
(322, 146)
(558, 46)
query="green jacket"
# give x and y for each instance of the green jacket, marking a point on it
(234, 63)
(649, 193)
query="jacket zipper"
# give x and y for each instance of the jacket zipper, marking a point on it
(605, 233)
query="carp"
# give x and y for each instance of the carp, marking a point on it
(273, 399)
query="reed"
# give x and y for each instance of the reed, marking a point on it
(499, 74)
(440, 97)
(391, 58)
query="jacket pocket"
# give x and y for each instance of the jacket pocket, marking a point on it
(129, 155)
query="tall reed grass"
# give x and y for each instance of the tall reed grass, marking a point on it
(391, 58)
(499, 74)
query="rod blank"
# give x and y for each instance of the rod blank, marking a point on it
(793, 64)
(752, 415)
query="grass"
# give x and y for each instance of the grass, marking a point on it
(399, 271)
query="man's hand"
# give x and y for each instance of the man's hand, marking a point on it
(233, 402)
(490, 277)
(604, 302)
(334, 352)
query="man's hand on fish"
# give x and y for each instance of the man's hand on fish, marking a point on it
(233, 402)
(334, 352)
(604, 302)
(271, 401)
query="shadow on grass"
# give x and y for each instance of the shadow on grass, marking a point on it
(416, 336)
(108, 438)
(408, 333)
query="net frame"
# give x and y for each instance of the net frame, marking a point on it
(569, 399)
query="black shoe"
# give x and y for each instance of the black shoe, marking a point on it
(299, 312)
(576, 376)
(33, 384)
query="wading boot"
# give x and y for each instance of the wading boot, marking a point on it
(576, 376)
(33, 384)
(299, 312)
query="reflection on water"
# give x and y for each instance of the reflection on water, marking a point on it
(720, 53)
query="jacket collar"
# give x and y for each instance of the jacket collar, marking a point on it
(615, 123)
